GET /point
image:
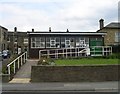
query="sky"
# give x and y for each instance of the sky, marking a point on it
(60, 15)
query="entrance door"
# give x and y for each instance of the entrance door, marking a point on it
(95, 47)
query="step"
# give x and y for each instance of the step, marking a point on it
(20, 80)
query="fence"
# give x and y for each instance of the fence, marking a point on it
(17, 63)
(101, 50)
(76, 52)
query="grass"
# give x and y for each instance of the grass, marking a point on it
(86, 61)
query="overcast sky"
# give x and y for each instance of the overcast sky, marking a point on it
(60, 15)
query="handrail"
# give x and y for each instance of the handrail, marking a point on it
(15, 59)
(23, 57)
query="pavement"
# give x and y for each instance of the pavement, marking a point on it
(56, 86)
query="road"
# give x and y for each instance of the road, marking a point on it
(60, 92)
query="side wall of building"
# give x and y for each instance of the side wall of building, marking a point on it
(3, 38)
(110, 38)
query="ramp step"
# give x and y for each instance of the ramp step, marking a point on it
(20, 80)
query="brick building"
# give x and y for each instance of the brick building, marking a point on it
(16, 40)
(3, 38)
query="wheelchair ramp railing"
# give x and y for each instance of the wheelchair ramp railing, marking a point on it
(63, 53)
(17, 63)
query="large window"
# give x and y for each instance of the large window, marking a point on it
(67, 42)
(53, 42)
(82, 42)
(117, 37)
(38, 42)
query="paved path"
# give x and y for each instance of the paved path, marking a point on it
(24, 74)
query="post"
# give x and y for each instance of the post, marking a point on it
(48, 52)
(9, 70)
(103, 50)
(24, 57)
(18, 64)
(21, 60)
(63, 53)
(66, 53)
(39, 55)
(76, 52)
(111, 50)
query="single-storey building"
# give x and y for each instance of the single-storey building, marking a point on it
(65, 43)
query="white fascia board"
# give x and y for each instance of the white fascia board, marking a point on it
(36, 33)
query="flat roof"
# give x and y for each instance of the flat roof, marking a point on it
(67, 33)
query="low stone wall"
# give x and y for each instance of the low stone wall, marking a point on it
(6, 78)
(74, 73)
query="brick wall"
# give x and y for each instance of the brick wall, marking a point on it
(74, 73)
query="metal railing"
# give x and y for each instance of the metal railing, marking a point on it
(17, 63)
(76, 52)
(101, 50)
(63, 52)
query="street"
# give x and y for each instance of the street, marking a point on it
(59, 92)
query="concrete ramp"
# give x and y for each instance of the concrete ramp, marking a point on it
(24, 74)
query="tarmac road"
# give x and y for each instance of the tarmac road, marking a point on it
(59, 92)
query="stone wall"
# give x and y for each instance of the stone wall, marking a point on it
(6, 78)
(109, 39)
(74, 73)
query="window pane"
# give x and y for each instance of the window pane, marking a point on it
(42, 39)
(62, 39)
(57, 39)
(58, 45)
(33, 40)
(48, 40)
(42, 44)
(52, 42)
(47, 44)
(37, 39)
(33, 44)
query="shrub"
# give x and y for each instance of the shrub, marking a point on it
(46, 61)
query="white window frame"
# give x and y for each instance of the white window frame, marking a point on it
(51, 39)
(85, 41)
(25, 40)
(117, 36)
(66, 45)
(39, 41)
